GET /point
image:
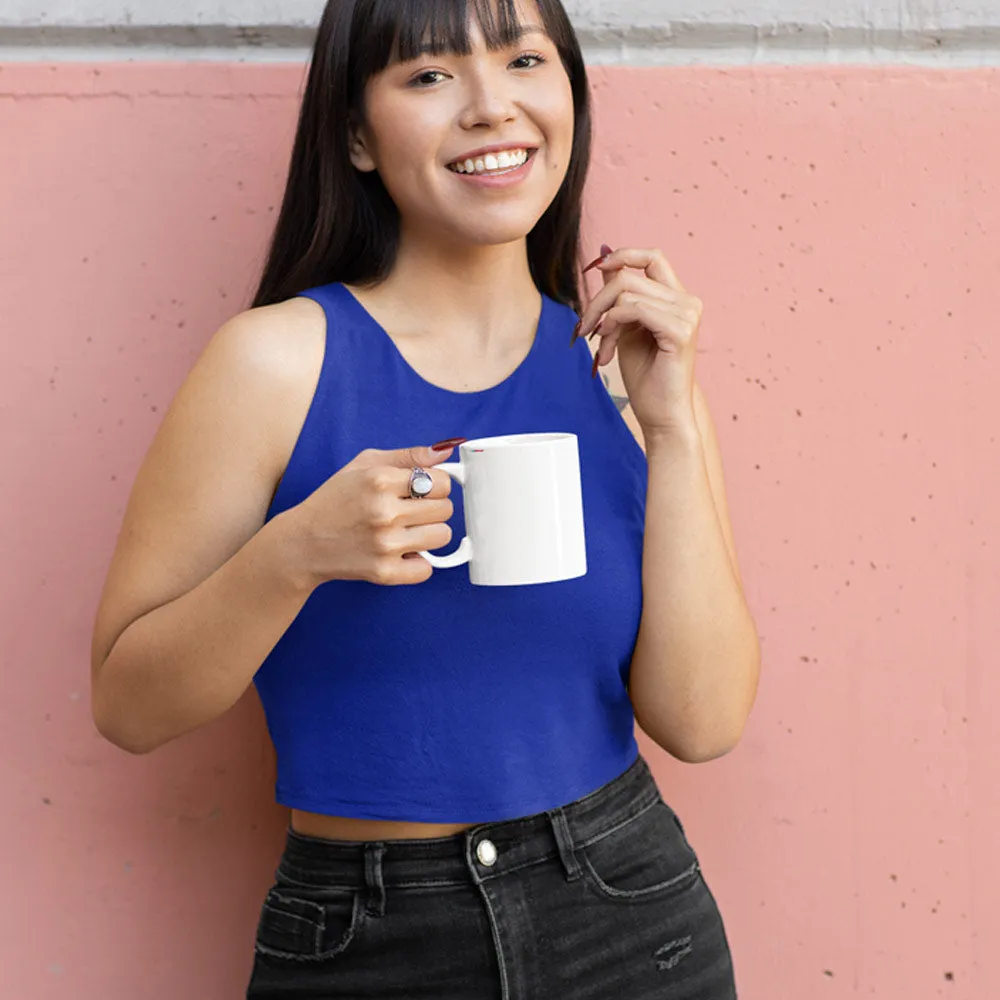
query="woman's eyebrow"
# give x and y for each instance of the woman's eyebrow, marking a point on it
(529, 29)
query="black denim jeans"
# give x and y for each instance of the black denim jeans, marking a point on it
(601, 899)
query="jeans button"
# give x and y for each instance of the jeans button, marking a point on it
(487, 852)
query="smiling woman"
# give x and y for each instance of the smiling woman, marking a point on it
(459, 761)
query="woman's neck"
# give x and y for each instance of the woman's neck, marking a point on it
(482, 297)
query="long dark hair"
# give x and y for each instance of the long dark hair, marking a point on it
(339, 224)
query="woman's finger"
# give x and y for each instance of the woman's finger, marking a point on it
(653, 262)
(425, 511)
(615, 286)
(655, 317)
(419, 538)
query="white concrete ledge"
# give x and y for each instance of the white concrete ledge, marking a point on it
(906, 15)
(627, 32)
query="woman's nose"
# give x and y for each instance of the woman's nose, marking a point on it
(489, 103)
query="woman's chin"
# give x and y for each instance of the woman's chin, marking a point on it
(497, 232)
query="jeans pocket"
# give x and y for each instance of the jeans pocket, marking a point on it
(645, 856)
(306, 924)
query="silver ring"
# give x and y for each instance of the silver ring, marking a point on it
(420, 484)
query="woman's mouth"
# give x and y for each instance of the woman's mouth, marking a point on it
(508, 166)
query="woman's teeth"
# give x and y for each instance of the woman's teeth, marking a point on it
(492, 163)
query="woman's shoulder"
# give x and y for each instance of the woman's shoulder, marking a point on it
(272, 355)
(276, 341)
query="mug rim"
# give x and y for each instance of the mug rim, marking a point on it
(501, 441)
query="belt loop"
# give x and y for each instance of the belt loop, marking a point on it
(564, 840)
(374, 850)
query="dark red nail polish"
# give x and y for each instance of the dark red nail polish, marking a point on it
(593, 371)
(606, 252)
(450, 443)
(597, 330)
(576, 333)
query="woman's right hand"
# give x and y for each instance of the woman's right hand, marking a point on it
(362, 525)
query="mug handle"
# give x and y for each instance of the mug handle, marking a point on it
(463, 553)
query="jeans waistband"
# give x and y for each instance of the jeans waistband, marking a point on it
(381, 864)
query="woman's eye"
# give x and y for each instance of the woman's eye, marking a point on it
(422, 81)
(521, 59)
(431, 76)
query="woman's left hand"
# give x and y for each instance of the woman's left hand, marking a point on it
(651, 319)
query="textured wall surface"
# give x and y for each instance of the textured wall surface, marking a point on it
(841, 226)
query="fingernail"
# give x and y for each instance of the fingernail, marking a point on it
(593, 371)
(597, 330)
(576, 333)
(606, 252)
(450, 443)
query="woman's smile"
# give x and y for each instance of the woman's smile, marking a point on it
(502, 169)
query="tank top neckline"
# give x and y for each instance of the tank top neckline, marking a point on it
(524, 365)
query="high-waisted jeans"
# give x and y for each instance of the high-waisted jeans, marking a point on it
(600, 899)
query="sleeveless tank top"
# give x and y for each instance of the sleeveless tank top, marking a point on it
(443, 701)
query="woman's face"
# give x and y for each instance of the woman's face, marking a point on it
(429, 120)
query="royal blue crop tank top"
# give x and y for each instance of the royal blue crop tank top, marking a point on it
(444, 702)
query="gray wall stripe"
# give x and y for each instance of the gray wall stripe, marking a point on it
(679, 43)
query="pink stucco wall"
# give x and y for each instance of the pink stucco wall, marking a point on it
(842, 227)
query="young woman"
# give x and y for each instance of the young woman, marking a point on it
(470, 816)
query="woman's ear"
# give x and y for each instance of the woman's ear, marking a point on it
(358, 148)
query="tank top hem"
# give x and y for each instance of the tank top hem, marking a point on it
(480, 811)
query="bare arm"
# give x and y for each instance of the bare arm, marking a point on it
(197, 594)
(697, 661)
(187, 662)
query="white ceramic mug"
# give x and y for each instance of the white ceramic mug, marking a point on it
(523, 510)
